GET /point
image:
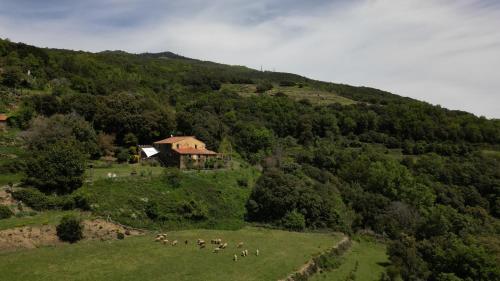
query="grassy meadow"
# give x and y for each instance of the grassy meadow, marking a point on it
(206, 199)
(370, 258)
(139, 258)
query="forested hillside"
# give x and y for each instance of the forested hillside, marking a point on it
(423, 176)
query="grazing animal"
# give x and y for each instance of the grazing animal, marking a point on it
(235, 257)
(240, 245)
(216, 250)
(246, 253)
(257, 252)
(202, 246)
(200, 242)
(223, 246)
(164, 241)
(186, 242)
(174, 242)
(158, 239)
(218, 241)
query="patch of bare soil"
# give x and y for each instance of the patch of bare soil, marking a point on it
(36, 236)
(6, 198)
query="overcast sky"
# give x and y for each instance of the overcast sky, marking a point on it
(445, 52)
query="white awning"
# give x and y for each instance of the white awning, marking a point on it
(149, 151)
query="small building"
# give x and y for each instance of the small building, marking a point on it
(184, 152)
(3, 122)
(148, 153)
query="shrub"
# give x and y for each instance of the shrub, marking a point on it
(70, 229)
(40, 201)
(122, 155)
(32, 197)
(287, 84)
(5, 212)
(172, 176)
(120, 236)
(294, 221)
(152, 210)
(193, 209)
(263, 87)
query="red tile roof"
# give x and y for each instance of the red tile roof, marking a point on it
(173, 139)
(190, 150)
(3, 117)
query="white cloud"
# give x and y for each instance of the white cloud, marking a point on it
(444, 52)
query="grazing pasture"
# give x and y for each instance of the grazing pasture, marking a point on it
(365, 260)
(141, 258)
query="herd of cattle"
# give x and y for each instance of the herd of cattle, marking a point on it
(219, 245)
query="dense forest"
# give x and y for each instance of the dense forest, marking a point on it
(424, 177)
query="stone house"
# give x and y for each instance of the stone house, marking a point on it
(184, 152)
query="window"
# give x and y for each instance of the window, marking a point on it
(196, 146)
(177, 145)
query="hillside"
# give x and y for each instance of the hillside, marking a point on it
(305, 156)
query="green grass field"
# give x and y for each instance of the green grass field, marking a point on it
(313, 95)
(139, 258)
(370, 256)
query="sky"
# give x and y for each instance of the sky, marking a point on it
(445, 52)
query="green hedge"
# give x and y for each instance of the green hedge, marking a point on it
(40, 201)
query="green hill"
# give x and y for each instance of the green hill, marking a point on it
(314, 155)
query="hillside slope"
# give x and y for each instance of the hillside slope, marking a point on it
(329, 156)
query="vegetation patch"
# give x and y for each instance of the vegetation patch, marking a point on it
(209, 199)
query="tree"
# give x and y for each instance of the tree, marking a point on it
(58, 168)
(47, 131)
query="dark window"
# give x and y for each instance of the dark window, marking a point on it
(195, 146)
(177, 145)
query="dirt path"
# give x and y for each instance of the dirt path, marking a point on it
(310, 267)
(36, 236)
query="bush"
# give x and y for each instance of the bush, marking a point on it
(122, 155)
(5, 212)
(120, 236)
(287, 84)
(193, 209)
(263, 87)
(70, 229)
(294, 221)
